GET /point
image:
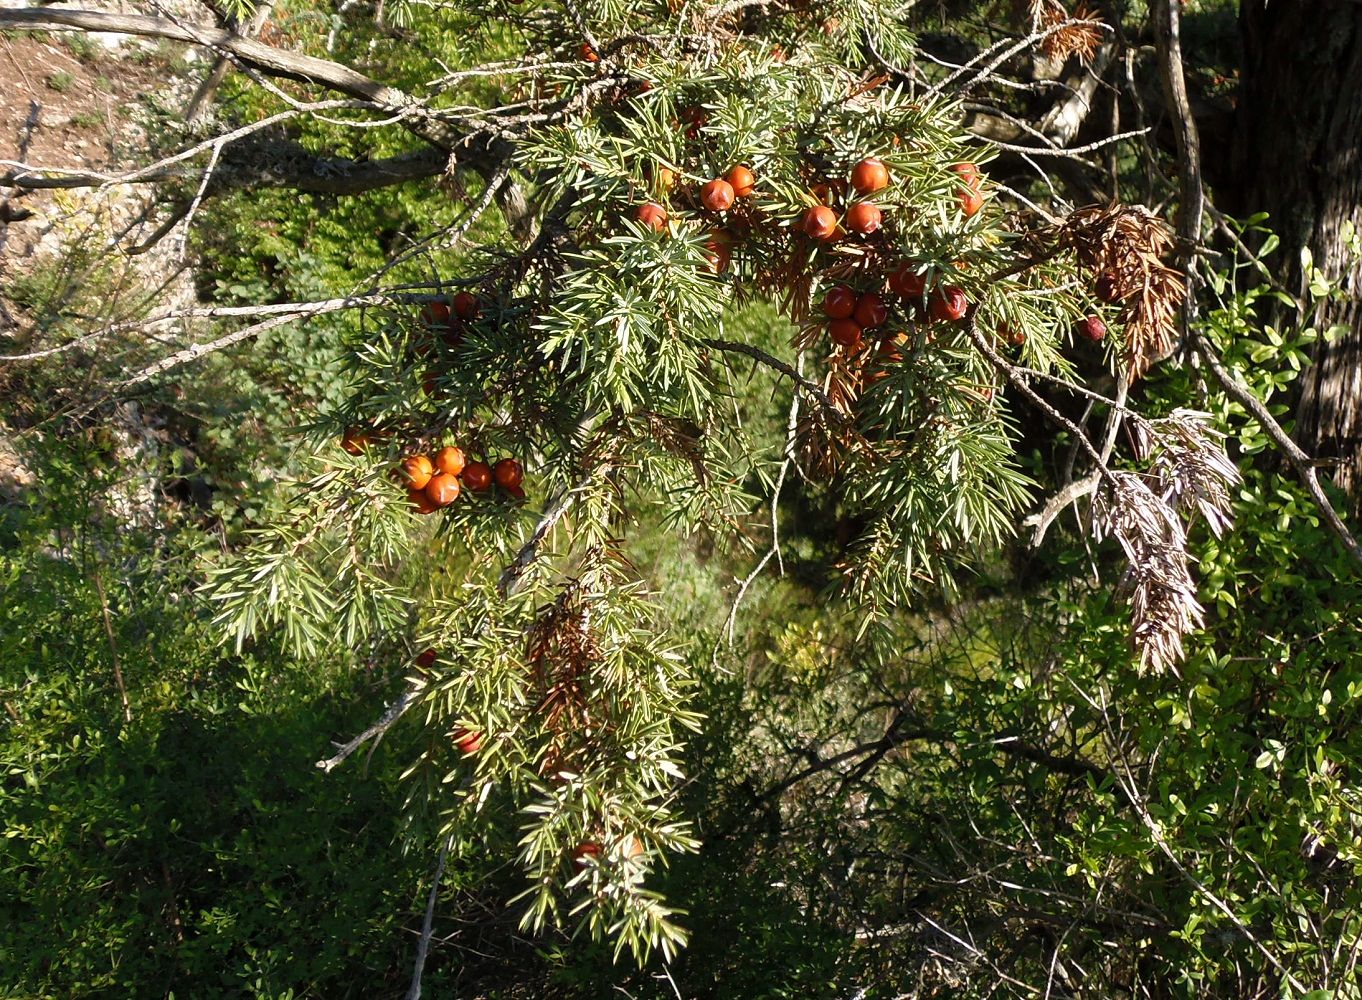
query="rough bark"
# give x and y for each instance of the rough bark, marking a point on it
(1299, 158)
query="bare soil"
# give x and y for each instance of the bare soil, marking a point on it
(63, 110)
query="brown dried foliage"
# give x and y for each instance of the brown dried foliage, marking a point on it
(824, 444)
(561, 654)
(1158, 580)
(1081, 38)
(1190, 475)
(1125, 244)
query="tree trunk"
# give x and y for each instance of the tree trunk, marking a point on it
(1299, 158)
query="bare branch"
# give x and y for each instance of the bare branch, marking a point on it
(176, 216)
(269, 163)
(288, 310)
(276, 62)
(1192, 196)
(511, 575)
(1070, 151)
(1300, 461)
(1066, 117)
(480, 153)
(428, 924)
(1167, 16)
(1019, 382)
(375, 732)
(195, 351)
(1041, 520)
(1002, 52)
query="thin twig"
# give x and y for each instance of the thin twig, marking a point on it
(791, 427)
(427, 925)
(774, 363)
(113, 646)
(198, 198)
(1072, 151)
(195, 351)
(1079, 488)
(291, 310)
(1018, 381)
(511, 575)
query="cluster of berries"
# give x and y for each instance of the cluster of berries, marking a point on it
(446, 321)
(450, 317)
(850, 313)
(717, 195)
(436, 482)
(864, 216)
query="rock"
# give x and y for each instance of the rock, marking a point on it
(15, 477)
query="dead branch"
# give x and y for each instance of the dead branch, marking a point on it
(480, 155)
(529, 552)
(1018, 380)
(428, 924)
(390, 715)
(267, 58)
(775, 364)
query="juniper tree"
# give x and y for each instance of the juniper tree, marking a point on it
(629, 175)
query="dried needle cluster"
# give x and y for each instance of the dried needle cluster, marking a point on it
(1163, 604)
(1191, 473)
(1124, 246)
(1079, 33)
(1188, 457)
